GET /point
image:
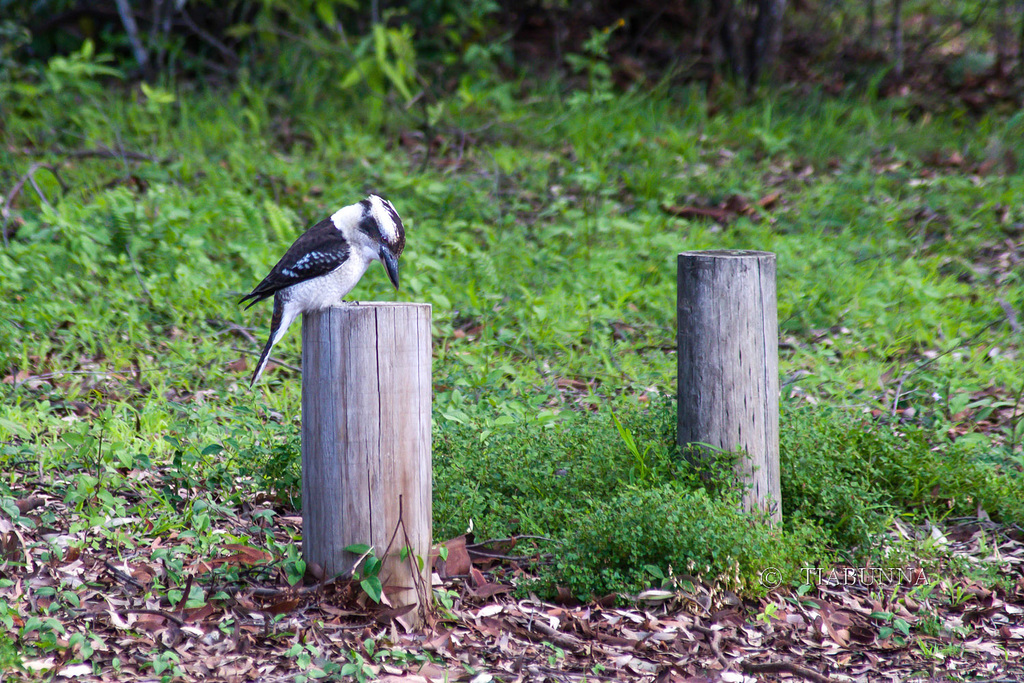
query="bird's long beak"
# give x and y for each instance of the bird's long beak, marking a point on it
(390, 262)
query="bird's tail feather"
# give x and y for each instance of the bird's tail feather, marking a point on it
(264, 357)
(255, 300)
(275, 335)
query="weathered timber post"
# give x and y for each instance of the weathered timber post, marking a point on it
(366, 393)
(728, 352)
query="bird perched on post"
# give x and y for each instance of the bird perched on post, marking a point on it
(326, 262)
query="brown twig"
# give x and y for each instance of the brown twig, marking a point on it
(510, 539)
(715, 637)
(423, 590)
(186, 592)
(159, 613)
(138, 275)
(767, 667)
(556, 673)
(563, 640)
(122, 576)
(235, 327)
(39, 190)
(264, 592)
(271, 359)
(97, 153)
(29, 565)
(349, 627)
(61, 373)
(28, 177)
(928, 361)
(209, 38)
(787, 668)
(26, 505)
(1011, 315)
(498, 556)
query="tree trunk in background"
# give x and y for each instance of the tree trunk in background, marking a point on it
(750, 47)
(897, 37)
(1020, 39)
(872, 24)
(124, 9)
(764, 48)
(729, 36)
(1002, 37)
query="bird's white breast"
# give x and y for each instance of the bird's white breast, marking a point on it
(330, 289)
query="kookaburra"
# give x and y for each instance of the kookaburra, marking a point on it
(326, 262)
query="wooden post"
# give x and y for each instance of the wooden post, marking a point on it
(366, 393)
(728, 352)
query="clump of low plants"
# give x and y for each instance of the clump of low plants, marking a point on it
(670, 526)
(615, 494)
(851, 476)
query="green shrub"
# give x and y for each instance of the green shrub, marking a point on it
(686, 530)
(10, 659)
(932, 481)
(616, 502)
(530, 478)
(828, 478)
(851, 475)
(613, 502)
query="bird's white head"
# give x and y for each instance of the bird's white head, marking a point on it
(374, 228)
(389, 224)
(383, 226)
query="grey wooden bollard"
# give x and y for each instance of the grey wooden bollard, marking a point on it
(366, 394)
(728, 352)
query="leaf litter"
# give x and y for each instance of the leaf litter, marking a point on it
(90, 611)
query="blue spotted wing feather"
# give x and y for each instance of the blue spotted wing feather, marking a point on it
(316, 252)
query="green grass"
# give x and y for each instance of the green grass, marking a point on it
(536, 226)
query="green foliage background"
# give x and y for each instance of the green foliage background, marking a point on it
(538, 230)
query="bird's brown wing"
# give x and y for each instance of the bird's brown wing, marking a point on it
(316, 252)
